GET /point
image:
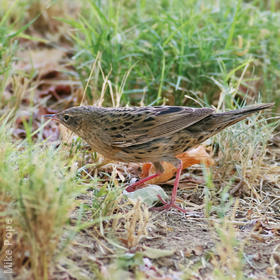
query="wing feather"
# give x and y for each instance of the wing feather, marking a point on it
(149, 123)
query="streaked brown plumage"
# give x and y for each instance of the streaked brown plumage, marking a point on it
(149, 134)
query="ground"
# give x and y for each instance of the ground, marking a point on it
(70, 216)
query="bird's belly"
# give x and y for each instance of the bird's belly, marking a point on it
(159, 149)
(128, 154)
(107, 151)
(145, 152)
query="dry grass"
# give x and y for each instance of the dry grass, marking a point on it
(63, 214)
(37, 200)
(243, 154)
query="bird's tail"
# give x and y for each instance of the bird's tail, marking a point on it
(232, 117)
(216, 122)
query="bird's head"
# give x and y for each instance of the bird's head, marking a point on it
(73, 118)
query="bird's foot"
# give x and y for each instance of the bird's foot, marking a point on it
(168, 205)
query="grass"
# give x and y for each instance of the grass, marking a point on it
(37, 198)
(248, 152)
(175, 49)
(63, 214)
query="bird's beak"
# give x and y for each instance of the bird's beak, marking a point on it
(51, 116)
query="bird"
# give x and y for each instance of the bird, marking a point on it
(149, 134)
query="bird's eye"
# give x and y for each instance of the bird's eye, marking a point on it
(66, 118)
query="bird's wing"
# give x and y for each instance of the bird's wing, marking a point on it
(141, 125)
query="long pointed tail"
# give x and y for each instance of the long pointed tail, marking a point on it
(235, 116)
(216, 122)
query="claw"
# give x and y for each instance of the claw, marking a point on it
(167, 206)
(171, 204)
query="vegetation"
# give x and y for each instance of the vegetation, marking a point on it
(170, 49)
(63, 213)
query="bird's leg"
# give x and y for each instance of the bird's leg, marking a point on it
(135, 186)
(172, 204)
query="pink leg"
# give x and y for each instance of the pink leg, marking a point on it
(134, 186)
(172, 204)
